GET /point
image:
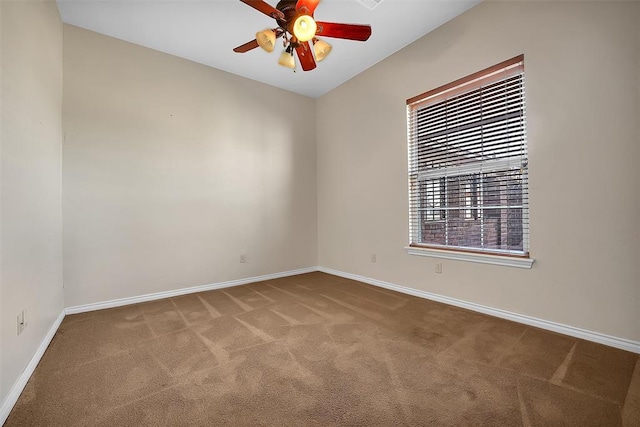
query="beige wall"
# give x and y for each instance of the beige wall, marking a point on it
(30, 180)
(581, 61)
(172, 170)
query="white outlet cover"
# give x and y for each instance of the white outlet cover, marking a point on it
(20, 322)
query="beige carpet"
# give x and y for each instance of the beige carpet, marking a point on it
(321, 350)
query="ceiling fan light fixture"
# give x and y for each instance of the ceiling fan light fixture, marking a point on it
(304, 28)
(266, 40)
(287, 59)
(321, 49)
(298, 28)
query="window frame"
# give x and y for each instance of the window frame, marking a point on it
(494, 74)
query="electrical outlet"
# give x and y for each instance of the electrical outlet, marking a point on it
(439, 267)
(21, 322)
(243, 259)
(374, 257)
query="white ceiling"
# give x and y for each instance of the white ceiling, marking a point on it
(206, 31)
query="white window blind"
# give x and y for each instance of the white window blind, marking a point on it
(468, 185)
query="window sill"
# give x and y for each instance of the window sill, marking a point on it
(506, 261)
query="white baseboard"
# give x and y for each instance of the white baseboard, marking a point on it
(178, 292)
(21, 382)
(624, 344)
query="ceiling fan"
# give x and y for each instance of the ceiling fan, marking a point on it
(297, 27)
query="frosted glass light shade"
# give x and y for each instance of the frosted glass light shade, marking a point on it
(287, 60)
(304, 28)
(266, 40)
(321, 49)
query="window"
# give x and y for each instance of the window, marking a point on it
(468, 164)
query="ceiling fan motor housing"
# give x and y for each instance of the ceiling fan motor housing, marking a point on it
(288, 8)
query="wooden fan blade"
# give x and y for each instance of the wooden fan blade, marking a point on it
(306, 57)
(247, 46)
(265, 8)
(344, 31)
(307, 6)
